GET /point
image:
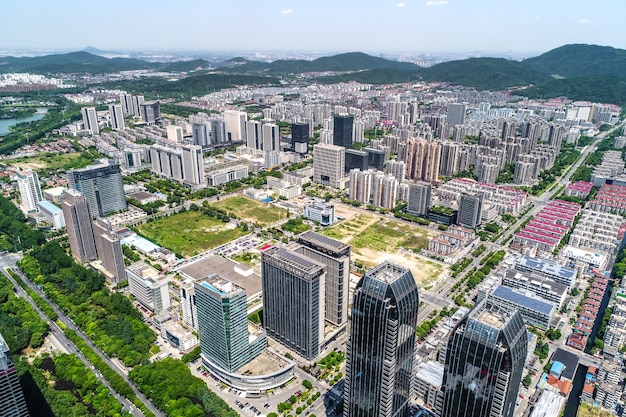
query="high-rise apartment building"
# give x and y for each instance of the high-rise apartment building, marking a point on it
(117, 117)
(484, 363)
(77, 216)
(422, 158)
(336, 256)
(30, 190)
(179, 162)
(12, 403)
(271, 137)
(225, 340)
(90, 120)
(235, 125)
(328, 165)
(137, 101)
(381, 347)
(470, 210)
(419, 198)
(102, 185)
(342, 130)
(201, 134)
(293, 300)
(126, 101)
(456, 113)
(174, 133)
(109, 250)
(150, 112)
(300, 137)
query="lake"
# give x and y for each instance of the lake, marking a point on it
(5, 124)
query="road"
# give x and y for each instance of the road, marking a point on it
(70, 348)
(113, 365)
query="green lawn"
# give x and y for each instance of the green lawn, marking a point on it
(53, 161)
(348, 228)
(189, 233)
(251, 210)
(389, 235)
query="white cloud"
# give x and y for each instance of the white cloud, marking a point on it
(436, 2)
(287, 11)
(401, 4)
(585, 21)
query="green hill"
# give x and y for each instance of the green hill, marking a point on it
(599, 88)
(73, 62)
(196, 85)
(375, 76)
(185, 66)
(352, 61)
(581, 60)
(485, 73)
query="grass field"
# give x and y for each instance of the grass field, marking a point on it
(251, 210)
(375, 239)
(189, 233)
(586, 410)
(52, 161)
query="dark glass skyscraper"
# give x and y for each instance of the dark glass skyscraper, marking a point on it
(382, 343)
(11, 396)
(102, 185)
(342, 130)
(484, 363)
(300, 137)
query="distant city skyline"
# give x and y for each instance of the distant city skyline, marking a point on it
(372, 26)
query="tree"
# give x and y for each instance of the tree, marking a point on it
(307, 384)
(527, 380)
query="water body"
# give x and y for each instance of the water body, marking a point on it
(5, 124)
(571, 406)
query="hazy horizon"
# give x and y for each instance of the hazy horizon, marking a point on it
(372, 26)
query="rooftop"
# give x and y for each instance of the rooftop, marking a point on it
(240, 275)
(387, 272)
(547, 267)
(264, 364)
(325, 242)
(519, 298)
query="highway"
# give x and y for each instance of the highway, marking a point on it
(70, 348)
(70, 325)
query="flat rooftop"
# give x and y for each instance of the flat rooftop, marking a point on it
(569, 360)
(518, 298)
(547, 267)
(293, 259)
(265, 363)
(309, 238)
(239, 274)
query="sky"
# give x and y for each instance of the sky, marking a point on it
(372, 26)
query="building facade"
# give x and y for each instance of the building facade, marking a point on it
(484, 363)
(223, 324)
(102, 185)
(381, 347)
(336, 256)
(293, 300)
(329, 165)
(77, 216)
(12, 401)
(30, 190)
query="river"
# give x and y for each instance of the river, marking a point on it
(5, 124)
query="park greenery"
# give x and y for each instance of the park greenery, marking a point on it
(15, 234)
(20, 324)
(109, 319)
(188, 397)
(295, 226)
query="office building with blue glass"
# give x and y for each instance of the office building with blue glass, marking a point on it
(225, 339)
